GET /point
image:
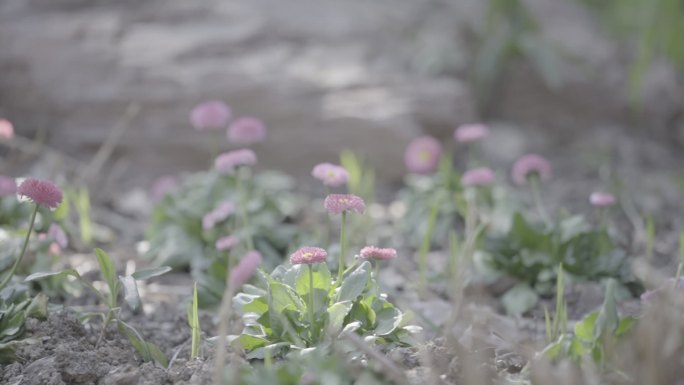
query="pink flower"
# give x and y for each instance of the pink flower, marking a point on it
(55, 249)
(227, 162)
(163, 186)
(339, 203)
(377, 253)
(8, 186)
(247, 130)
(41, 192)
(602, 199)
(478, 177)
(528, 165)
(219, 214)
(227, 243)
(56, 233)
(308, 255)
(211, 115)
(469, 133)
(245, 269)
(330, 174)
(6, 129)
(422, 155)
(650, 295)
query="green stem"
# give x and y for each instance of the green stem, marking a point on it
(311, 305)
(243, 209)
(340, 266)
(376, 269)
(536, 195)
(7, 278)
(425, 247)
(107, 320)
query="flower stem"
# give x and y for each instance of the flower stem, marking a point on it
(340, 266)
(536, 195)
(311, 305)
(243, 209)
(23, 250)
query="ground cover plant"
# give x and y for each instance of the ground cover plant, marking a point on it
(474, 282)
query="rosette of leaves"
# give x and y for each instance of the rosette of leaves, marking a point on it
(531, 253)
(331, 367)
(276, 315)
(177, 238)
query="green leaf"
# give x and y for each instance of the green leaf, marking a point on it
(42, 275)
(144, 274)
(584, 330)
(354, 284)
(131, 295)
(607, 322)
(520, 299)
(108, 272)
(39, 307)
(148, 351)
(625, 326)
(249, 303)
(321, 279)
(193, 319)
(274, 350)
(249, 342)
(283, 296)
(388, 320)
(336, 315)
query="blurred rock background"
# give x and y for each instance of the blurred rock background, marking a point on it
(326, 75)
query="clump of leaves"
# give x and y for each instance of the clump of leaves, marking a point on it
(330, 367)
(177, 238)
(118, 286)
(530, 253)
(15, 307)
(276, 315)
(594, 334)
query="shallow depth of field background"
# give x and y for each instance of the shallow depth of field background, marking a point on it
(584, 81)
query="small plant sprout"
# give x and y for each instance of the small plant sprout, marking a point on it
(41, 193)
(377, 254)
(341, 204)
(559, 325)
(246, 130)
(308, 256)
(422, 155)
(532, 169)
(235, 279)
(193, 321)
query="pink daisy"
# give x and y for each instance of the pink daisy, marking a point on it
(528, 165)
(339, 203)
(369, 252)
(6, 129)
(227, 162)
(8, 186)
(41, 192)
(247, 130)
(422, 155)
(308, 255)
(602, 199)
(211, 115)
(469, 133)
(478, 177)
(330, 174)
(227, 243)
(245, 269)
